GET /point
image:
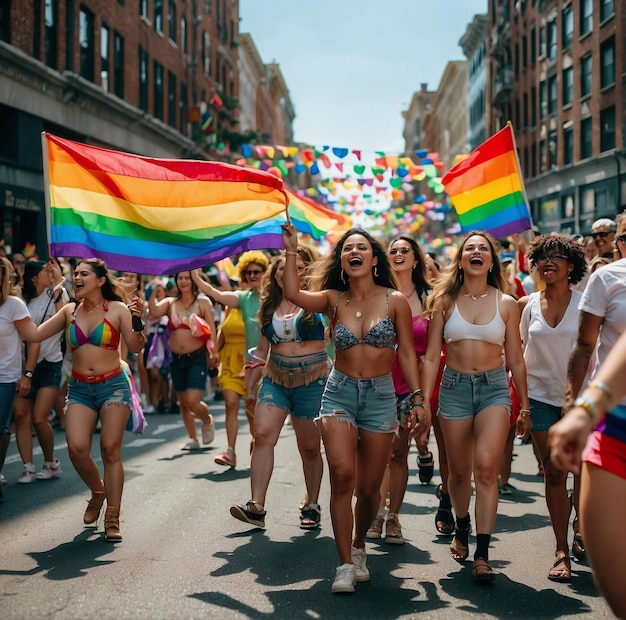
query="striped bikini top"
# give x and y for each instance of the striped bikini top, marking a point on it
(104, 335)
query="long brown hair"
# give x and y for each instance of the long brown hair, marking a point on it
(272, 294)
(7, 284)
(447, 287)
(112, 289)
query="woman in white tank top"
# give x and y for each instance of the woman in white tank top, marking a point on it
(548, 327)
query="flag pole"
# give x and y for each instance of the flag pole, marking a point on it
(46, 187)
(521, 177)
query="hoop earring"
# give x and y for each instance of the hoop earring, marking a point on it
(375, 271)
(343, 276)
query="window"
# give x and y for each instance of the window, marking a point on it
(568, 26)
(533, 107)
(585, 138)
(543, 160)
(533, 45)
(552, 95)
(542, 100)
(183, 107)
(143, 8)
(525, 111)
(553, 149)
(607, 128)
(524, 53)
(542, 41)
(568, 146)
(50, 22)
(171, 20)
(206, 53)
(143, 80)
(118, 64)
(5, 21)
(568, 85)
(86, 43)
(586, 17)
(607, 63)
(552, 42)
(158, 90)
(585, 75)
(104, 56)
(183, 35)
(607, 9)
(158, 15)
(171, 99)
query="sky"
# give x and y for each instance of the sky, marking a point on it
(352, 66)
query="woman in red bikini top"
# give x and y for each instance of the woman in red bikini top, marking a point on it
(189, 353)
(97, 389)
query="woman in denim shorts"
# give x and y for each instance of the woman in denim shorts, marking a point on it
(97, 389)
(44, 293)
(476, 321)
(370, 320)
(293, 378)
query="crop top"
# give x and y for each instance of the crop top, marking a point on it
(294, 329)
(383, 334)
(457, 328)
(179, 320)
(104, 335)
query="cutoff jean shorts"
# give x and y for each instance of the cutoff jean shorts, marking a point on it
(462, 396)
(543, 415)
(8, 392)
(302, 401)
(368, 404)
(113, 391)
(47, 375)
(189, 371)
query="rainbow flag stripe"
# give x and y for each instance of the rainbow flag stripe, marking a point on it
(487, 190)
(154, 216)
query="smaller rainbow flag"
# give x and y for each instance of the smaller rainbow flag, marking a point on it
(155, 216)
(487, 189)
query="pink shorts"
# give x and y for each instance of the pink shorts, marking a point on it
(607, 453)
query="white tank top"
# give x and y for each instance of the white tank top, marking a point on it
(457, 328)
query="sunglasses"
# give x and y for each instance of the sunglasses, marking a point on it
(621, 238)
(602, 235)
(253, 272)
(556, 259)
(19, 262)
(395, 251)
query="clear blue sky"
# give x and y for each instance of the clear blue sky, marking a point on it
(352, 66)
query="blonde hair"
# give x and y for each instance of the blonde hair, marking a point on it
(248, 258)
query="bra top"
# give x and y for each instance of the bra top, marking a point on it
(179, 320)
(382, 335)
(457, 328)
(293, 329)
(104, 336)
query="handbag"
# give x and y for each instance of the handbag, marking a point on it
(136, 419)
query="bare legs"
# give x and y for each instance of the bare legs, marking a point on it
(192, 408)
(37, 412)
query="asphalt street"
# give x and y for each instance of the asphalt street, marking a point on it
(184, 556)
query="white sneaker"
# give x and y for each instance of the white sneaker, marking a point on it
(192, 444)
(359, 560)
(28, 475)
(50, 470)
(208, 432)
(3, 480)
(345, 578)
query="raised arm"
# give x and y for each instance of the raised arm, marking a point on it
(226, 298)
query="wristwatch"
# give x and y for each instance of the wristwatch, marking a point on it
(28, 373)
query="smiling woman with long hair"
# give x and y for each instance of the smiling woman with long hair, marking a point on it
(476, 321)
(370, 321)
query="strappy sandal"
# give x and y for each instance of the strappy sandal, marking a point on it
(481, 572)
(561, 570)
(425, 467)
(578, 546)
(444, 521)
(457, 549)
(243, 513)
(310, 517)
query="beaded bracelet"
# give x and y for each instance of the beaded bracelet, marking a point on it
(587, 405)
(603, 387)
(291, 254)
(415, 393)
(417, 405)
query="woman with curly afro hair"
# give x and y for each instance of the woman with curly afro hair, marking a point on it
(549, 326)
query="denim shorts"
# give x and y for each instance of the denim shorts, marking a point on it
(303, 401)
(8, 392)
(46, 375)
(369, 404)
(543, 415)
(462, 396)
(189, 371)
(113, 391)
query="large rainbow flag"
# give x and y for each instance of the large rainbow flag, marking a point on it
(487, 190)
(155, 216)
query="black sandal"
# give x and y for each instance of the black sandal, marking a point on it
(444, 521)
(243, 513)
(426, 467)
(310, 517)
(578, 546)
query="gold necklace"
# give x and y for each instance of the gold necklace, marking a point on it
(358, 314)
(94, 308)
(286, 317)
(476, 296)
